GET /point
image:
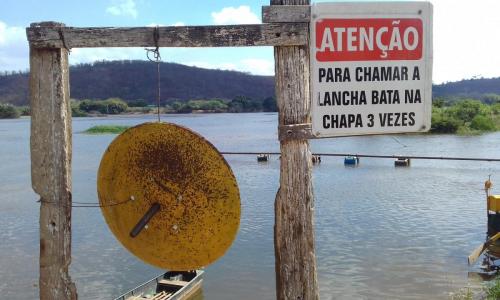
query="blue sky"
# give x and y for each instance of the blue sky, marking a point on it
(466, 43)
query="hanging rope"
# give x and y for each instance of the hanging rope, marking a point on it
(156, 59)
(399, 142)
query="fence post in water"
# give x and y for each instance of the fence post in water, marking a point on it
(51, 164)
(293, 232)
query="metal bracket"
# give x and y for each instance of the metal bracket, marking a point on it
(295, 132)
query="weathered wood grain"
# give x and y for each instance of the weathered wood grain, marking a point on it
(295, 132)
(296, 276)
(285, 34)
(286, 14)
(51, 168)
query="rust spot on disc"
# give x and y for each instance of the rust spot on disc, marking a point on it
(175, 167)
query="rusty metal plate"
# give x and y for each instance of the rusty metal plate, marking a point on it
(181, 183)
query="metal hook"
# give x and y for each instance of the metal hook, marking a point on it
(157, 60)
(156, 51)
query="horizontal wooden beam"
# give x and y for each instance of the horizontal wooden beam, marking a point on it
(286, 14)
(43, 35)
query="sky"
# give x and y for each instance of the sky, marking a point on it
(466, 44)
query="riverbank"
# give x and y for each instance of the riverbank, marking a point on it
(489, 290)
(464, 117)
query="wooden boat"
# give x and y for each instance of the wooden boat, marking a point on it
(171, 285)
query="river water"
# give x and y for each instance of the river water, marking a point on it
(381, 232)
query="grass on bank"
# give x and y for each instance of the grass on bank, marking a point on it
(106, 129)
(489, 291)
(493, 289)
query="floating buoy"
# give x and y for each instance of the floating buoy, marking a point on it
(402, 162)
(263, 157)
(316, 159)
(351, 161)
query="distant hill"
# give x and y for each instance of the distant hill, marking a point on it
(134, 80)
(468, 88)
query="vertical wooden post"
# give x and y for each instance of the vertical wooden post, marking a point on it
(294, 208)
(51, 165)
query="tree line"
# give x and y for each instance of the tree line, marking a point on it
(467, 116)
(114, 106)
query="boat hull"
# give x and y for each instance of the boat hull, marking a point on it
(171, 285)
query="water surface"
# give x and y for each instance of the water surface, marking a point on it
(381, 232)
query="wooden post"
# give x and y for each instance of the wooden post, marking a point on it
(294, 232)
(51, 165)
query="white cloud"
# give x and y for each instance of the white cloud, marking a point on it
(123, 8)
(233, 15)
(207, 65)
(14, 54)
(161, 25)
(10, 34)
(258, 66)
(255, 66)
(465, 42)
(88, 55)
(465, 39)
(154, 25)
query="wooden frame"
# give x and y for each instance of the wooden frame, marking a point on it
(284, 34)
(287, 31)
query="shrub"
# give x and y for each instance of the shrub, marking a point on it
(269, 104)
(24, 110)
(115, 106)
(137, 103)
(490, 98)
(495, 108)
(466, 110)
(244, 104)
(438, 102)
(8, 111)
(75, 109)
(112, 106)
(483, 123)
(443, 123)
(213, 105)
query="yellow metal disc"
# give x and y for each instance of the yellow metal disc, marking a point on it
(169, 165)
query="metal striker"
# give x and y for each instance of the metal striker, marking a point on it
(180, 200)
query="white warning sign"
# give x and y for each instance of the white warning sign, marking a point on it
(371, 68)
